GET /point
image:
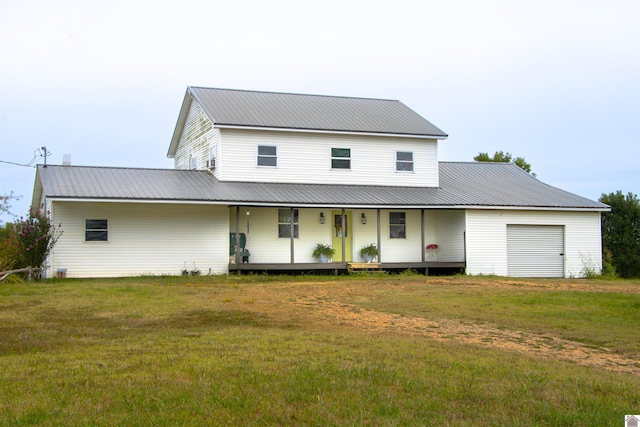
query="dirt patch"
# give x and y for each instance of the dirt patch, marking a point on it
(325, 303)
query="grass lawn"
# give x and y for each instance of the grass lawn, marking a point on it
(256, 350)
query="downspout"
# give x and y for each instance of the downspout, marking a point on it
(344, 233)
(293, 233)
(378, 232)
(422, 230)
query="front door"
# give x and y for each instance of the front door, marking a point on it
(338, 232)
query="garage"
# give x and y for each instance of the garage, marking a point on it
(535, 250)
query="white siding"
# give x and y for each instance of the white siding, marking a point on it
(487, 239)
(306, 158)
(401, 250)
(448, 233)
(143, 239)
(198, 137)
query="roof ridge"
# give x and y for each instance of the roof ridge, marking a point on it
(294, 94)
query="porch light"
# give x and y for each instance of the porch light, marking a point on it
(363, 218)
(322, 219)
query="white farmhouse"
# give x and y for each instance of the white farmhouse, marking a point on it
(261, 178)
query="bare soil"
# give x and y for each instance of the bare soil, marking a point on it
(325, 304)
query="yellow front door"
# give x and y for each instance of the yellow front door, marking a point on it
(338, 232)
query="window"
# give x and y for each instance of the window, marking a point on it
(96, 230)
(284, 223)
(211, 163)
(397, 225)
(341, 158)
(193, 162)
(267, 155)
(404, 161)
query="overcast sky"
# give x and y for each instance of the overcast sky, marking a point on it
(554, 81)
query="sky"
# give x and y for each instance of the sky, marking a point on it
(554, 81)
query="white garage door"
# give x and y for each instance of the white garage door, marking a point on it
(535, 250)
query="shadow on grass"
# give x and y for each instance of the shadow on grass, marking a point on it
(55, 329)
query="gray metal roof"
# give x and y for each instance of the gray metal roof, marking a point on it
(243, 108)
(311, 112)
(499, 185)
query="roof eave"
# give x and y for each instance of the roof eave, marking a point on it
(182, 119)
(341, 132)
(321, 205)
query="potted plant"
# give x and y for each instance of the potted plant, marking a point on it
(323, 252)
(369, 252)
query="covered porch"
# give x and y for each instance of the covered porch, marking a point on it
(343, 267)
(282, 239)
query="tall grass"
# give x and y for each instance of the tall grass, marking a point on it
(214, 351)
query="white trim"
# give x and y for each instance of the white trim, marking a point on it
(400, 135)
(94, 242)
(396, 161)
(258, 145)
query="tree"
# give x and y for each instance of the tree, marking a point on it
(501, 156)
(5, 206)
(621, 233)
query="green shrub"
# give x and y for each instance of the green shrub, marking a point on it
(32, 240)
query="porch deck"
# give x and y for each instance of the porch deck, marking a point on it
(341, 267)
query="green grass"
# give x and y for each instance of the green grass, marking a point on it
(604, 319)
(230, 351)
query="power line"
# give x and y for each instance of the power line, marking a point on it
(39, 152)
(17, 164)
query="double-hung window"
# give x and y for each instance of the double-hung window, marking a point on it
(267, 155)
(341, 158)
(284, 223)
(96, 230)
(397, 225)
(404, 161)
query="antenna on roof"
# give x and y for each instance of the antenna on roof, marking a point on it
(44, 154)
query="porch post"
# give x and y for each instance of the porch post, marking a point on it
(422, 228)
(379, 229)
(293, 233)
(344, 233)
(237, 247)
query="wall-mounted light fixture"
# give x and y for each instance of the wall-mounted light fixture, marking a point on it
(322, 219)
(248, 213)
(363, 218)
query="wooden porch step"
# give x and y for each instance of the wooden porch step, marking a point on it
(363, 266)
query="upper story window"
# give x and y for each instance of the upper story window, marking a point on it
(341, 158)
(193, 162)
(267, 155)
(284, 223)
(397, 225)
(404, 161)
(96, 230)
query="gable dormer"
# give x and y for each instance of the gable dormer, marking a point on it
(292, 138)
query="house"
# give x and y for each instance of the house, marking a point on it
(284, 172)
